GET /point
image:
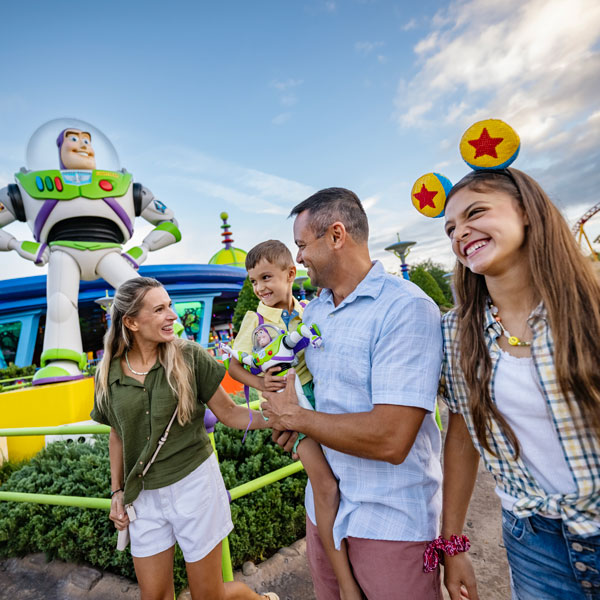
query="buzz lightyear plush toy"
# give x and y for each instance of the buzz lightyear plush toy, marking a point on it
(80, 218)
(276, 348)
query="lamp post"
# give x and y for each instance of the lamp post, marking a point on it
(105, 303)
(300, 281)
(401, 250)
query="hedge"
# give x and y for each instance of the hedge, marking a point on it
(264, 521)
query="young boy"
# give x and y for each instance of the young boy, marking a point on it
(272, 272)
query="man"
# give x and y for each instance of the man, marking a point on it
(376, 379)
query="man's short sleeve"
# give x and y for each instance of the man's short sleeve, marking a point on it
(407, 356)
(209, 373)
(243, 340)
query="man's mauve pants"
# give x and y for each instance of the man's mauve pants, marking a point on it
(384, 570)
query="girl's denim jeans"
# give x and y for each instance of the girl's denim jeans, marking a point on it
(549, 563)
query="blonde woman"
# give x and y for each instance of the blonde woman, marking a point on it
(146, 374)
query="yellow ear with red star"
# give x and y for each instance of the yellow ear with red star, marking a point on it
(429, 193)
(489, 144)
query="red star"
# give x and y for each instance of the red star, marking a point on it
(485, 144)
(425, 197)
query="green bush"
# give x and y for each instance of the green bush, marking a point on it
(438, 272)
(12, 371)
(264, 521)
(428, 284)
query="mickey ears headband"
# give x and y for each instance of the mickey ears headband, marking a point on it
(489, 145)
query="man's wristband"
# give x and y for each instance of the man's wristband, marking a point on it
(434, 553)
(116, 492)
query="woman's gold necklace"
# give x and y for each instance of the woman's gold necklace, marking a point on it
(513, 340)
(135, 372)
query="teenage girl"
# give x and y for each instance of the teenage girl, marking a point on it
(521, 378)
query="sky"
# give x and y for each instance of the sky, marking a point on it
(250, 107)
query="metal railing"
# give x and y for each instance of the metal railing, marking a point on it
(104, 503)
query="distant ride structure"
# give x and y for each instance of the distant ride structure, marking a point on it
(580, 234)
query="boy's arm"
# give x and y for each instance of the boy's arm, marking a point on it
(243, 376)
(268, 382)
(232, 414)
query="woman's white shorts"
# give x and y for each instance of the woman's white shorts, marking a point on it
(193, 511)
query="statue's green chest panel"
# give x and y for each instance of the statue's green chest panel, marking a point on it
(66, 185)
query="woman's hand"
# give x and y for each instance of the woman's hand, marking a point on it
(118, 514)
(459, 577)
(272, 382)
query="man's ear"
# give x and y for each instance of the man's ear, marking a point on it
(338, 234)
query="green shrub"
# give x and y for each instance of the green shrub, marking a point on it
(428, 284)
(438, 272)
(264, 521)
(12, 371)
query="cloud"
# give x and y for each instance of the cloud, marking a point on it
(409, 25)
(533, 63)
(250, 190)
(281, 118)
(283, 86)
(365, 48)
(287, 97)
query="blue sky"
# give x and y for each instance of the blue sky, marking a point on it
(249, 107)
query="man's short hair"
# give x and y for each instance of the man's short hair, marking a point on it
(335, 204)
(273, 251)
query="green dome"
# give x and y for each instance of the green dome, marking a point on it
(229, 256)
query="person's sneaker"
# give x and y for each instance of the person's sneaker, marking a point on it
(271, 596)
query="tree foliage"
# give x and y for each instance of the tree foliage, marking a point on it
(438, 272)
(428, 284)
(247, 300)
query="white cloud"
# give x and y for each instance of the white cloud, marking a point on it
(281, 118)
(287, 97)
(533, 63)
(366, 48)
(409, 25)
(283, 86)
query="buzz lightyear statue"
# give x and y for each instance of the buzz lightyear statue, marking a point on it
(80, 218)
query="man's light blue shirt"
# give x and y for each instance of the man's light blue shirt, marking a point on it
(381, 345)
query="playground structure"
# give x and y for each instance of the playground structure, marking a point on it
(580, 234)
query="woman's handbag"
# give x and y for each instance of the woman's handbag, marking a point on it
(123, 536)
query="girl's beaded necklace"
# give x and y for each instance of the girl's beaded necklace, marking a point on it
(513, 340)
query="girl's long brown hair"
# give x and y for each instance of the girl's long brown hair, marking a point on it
(127, 302)
(567, 285)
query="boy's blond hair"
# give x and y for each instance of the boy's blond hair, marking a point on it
(273, 251)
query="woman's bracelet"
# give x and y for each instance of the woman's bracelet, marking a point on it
(434, 551)
(115, 492)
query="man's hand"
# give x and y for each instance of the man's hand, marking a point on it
(272, 382)
(459, 577)
(281, 407)
(285, 439)
(117, 514)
